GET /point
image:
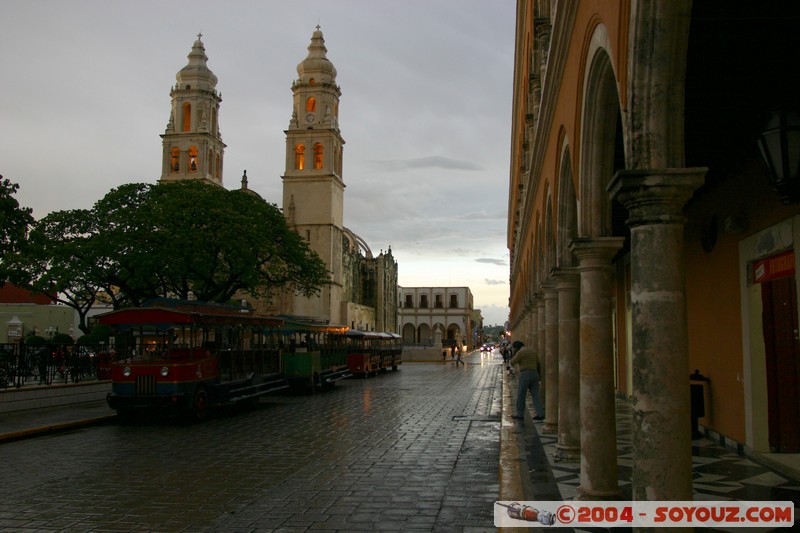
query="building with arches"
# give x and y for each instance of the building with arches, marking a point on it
(192, 142)
(648, 236)
(363, 291)
(430, 313)
(362, 294)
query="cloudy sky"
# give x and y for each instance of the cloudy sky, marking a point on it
(425, 112)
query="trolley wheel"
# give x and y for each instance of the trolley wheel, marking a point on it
(314, 384)
(199, 409)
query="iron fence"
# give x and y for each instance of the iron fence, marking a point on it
(50, 364)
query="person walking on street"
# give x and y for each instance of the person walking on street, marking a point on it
(458, 355)
(528, 362)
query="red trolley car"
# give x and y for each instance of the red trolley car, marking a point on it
(370, 352)
(185, 356)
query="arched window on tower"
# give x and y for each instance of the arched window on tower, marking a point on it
(318, 155)
(209, 162)
(218, 167)
(299, 156)
(311, 104)
(193, 158)
(174, 159)
(187, 116)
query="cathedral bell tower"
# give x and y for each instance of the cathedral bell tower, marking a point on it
(313, 190)
(192, 143)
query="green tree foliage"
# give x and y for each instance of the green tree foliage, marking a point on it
(143, 241)
(58, 260)
(14, 223)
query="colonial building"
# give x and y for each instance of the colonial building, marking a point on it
(363, 292)
(648, 235)
(24, 313)
(428, 313)
(192, 143)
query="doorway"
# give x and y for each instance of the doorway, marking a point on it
(779, 304)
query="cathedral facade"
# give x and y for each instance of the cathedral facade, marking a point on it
(362, 294)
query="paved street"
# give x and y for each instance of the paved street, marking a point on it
(412, 450)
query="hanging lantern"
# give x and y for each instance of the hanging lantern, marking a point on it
(780, 146)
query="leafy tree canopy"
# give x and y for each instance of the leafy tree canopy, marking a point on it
(14, 222)
(142, 241)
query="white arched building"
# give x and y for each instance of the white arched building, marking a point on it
(428, 314)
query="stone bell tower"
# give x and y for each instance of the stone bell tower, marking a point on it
(192, 143)
(313, 190)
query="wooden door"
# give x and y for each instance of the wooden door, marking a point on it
(779, 300)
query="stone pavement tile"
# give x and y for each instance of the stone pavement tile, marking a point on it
(349, 459)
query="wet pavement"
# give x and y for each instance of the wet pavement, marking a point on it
(427, 448)
(412, 450)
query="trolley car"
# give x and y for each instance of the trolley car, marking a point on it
(313, 352)
(391, 351)
(186, 356)
(370, 352)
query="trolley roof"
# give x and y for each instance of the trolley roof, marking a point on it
(292, 324)
(165, 313)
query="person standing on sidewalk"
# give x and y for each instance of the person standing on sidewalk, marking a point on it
(528, 362)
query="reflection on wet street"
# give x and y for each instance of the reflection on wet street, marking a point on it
(415, 449)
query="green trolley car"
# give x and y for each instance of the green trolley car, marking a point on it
(314, 353)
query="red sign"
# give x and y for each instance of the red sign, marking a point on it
(777, 266)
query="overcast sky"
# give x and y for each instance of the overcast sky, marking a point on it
(425, 112)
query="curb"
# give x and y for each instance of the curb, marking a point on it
(54, 428)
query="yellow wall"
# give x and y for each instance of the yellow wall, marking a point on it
(714, 299)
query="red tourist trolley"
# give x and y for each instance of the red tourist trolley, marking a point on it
(185, 356)
(370, 352)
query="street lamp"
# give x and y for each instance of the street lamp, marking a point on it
(780, 146)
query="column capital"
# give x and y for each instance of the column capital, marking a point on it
(566, 278)
(548, 288)
(655, 196)
(595, 252)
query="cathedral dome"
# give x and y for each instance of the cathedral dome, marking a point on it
(316, 65)
(196, 73)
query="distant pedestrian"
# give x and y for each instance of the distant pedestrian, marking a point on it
(458, 355)
(528, 362)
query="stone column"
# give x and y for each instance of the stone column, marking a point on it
(531, 326)
(541, 338)
(662, 466)
(568, 447)
(598, 418)
(550, 367)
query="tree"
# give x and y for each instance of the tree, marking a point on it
(143, 241)
(14, 223)
(58, 261)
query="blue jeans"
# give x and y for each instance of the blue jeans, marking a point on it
(528, 381)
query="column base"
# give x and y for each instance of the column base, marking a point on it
(598, 495)
(549, 427)
(570, 454)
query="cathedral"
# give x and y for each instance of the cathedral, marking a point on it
(363, 291)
